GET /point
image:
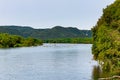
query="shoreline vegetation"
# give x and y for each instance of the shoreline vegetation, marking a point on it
(106, 41)
(12, 41)
(69, 40)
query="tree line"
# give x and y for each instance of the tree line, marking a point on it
(7, 41)
(69, 40)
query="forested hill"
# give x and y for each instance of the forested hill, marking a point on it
(106, 38)
(55, 32)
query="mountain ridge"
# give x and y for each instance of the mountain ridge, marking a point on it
(48, 33)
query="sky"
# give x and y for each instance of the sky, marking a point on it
(82, 14)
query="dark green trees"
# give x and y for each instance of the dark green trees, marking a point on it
(7, 41)
(106, 38)
(70, 40)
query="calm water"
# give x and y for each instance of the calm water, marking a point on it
(48, 62)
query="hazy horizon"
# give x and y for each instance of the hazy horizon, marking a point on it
(41, 14)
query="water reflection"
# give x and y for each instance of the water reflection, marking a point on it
(109, 69)
(96, 72)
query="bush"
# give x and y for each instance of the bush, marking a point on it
(7, 41)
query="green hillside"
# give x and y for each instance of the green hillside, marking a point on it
(53, 33)
(106, 39)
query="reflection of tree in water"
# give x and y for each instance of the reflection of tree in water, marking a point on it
(96, 72)
(108, 71)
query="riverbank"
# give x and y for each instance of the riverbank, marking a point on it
(8, 41)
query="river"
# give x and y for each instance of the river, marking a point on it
(48, 62)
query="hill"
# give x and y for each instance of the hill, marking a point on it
(106, 39)
(53, 33)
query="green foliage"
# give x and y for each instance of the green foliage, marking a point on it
(69, 40)
(106, 39)
(53, 33)
(7, 41)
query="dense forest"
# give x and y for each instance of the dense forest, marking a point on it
(44, 34)
(8, 41)
(106, 39)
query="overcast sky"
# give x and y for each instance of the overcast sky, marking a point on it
(82, 14)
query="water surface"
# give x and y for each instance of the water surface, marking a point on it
(48, 62)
